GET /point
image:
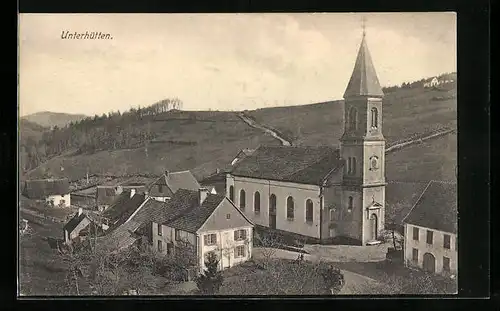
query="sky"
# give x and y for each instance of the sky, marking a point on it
(220, 61)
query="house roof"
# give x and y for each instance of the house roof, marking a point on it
(105, 195)
(307, 165)
(364, 80)
(174, 181)
(74, 221)
(42, 188)
(436, 208)
(122, 208)
(400, 197)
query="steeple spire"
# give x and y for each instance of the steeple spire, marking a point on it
(364, 80)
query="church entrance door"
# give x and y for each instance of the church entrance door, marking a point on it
(374, 226)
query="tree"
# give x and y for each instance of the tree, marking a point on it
(210, 281)
(333, 278)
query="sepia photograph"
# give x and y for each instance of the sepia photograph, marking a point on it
(262, 154)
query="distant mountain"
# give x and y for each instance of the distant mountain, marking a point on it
(51, 119)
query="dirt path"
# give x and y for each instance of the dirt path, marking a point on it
(267, 130)
(400, 145)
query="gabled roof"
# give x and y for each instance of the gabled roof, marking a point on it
(42, 188)
(436, 208)
(122, 208)
(400, 197)
(74, 222)
(364, 80)
(173, 181)
(306, 165)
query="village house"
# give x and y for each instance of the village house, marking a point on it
(53, 191)
(75, 225)
(431, 239)
(204, 222)
(165, 187)
(106, 195)
(121, 209)
(432, 83)
(323, 193)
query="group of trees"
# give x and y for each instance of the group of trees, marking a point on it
(110, 131)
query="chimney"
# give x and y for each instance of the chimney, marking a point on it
(202, 194)
(80, 211)
(132, 192)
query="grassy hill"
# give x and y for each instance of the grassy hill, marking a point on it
(50, 119)
(405, 112)
(202, 141)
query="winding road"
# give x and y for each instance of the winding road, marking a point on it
(265, 129)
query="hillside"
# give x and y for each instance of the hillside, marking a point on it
(405, 112)
(30, 130)
(50, 119)
(203, 141)
(200, 141)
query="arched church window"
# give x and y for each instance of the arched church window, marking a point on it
(374, 117)
(374, 163)
(353, 118)
(353, 163)
(309, 210)
(243, 199)
(256, 202)
(349, 204)
(290, 208)
(231, 193)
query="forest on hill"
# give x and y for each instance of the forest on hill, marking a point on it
(111, 131)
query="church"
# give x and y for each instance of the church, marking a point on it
(326, 192)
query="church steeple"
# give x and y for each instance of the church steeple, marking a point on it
(364, 80)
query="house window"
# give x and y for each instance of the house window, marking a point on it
(159, 229)
(177, 235)
(353, 171)
(430, 236)
(309, 210)
(62, 202)
(256, 202)
(414, 255)
(240, 251)
(332, 214)
(446, 241)
(446, 264)
(415, 233)
(160, 188)
(242, 199)
(374, 117)
(170, 248)
(349, 204)
(231, 193)
(353, 118)
(240, 235)
(210, 239)
(228, 216)
(160, 246)
(289, 208)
